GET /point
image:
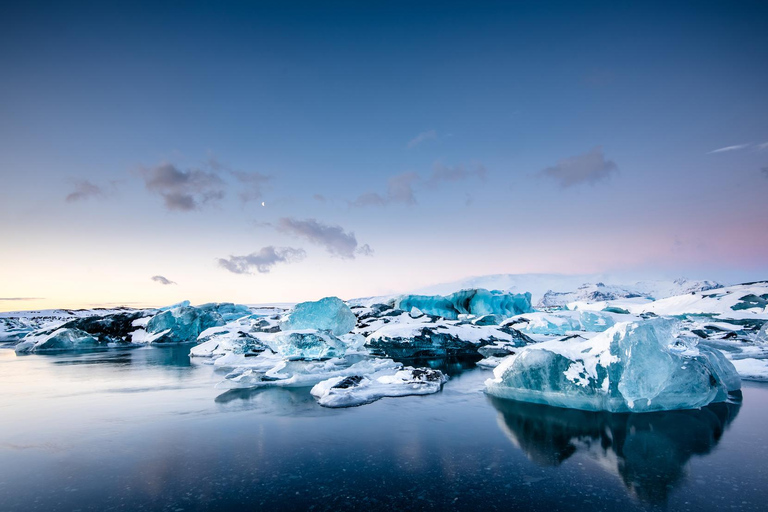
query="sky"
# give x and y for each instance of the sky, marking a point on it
(283, 151)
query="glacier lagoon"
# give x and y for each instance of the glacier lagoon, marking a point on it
(387, 403)
(145, 429)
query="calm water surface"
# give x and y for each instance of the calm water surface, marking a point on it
(145, 429)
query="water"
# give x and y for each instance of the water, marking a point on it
(145, 429)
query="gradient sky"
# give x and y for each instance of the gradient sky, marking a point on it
(392, 144)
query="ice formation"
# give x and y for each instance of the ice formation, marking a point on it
(184, 323)
(83, 333)
(424, 338)
(355, 390)
(563, 322)
(575, 354)
(328, 314)
(271, 370)
(477, 302)
(57, 339)
(632, 367)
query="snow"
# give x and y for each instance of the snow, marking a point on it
(752, 369)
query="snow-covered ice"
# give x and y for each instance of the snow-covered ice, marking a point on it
(360, 389)
(632, 367)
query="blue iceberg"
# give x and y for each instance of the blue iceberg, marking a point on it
(57, 340)
(477, 302)
(632, 367)
(184, 323)
(328, 314)
(306, 345)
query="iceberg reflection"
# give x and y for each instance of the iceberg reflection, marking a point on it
(647, 451)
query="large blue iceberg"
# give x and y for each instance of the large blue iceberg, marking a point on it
(477, 302)
(632, 367)
(328, 314)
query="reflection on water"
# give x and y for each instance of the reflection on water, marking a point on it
(279, 401)
(648, 451)
(451, 366)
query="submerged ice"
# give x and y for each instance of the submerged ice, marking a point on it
(632, 367)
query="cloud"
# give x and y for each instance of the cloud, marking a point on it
(251, 183)
(444, 174)
(162, 280)
(262, 261)
(84, 189)
(422, 137)
(365, 250)
(335, 240)
(319, 197)
(183, 190)
(762, 146)
(590, 167)
(764, 170)
(21, 298)
(730, 148)
(399, 190)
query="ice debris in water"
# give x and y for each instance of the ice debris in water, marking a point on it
(268, 370)
(632, 367)
(477, 302)
(328, 314)
(355, 390)
(184, 323)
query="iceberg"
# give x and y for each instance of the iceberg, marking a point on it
(57, 339)
(184, 323)
(355, 390)
(632, 367)
(562, 322)
(476, 302)
(328, 314)
(306, 344)
(438, 339)
(84, 333)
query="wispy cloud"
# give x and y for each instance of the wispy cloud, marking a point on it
(84, 189)
(183, 190)
(251, 185)
(762, 146)
(262, 261)
(162, 280)
(333, 238)
(764, 170)
(730, 148)
(589, 167)
(399, 190)
(13, 299)
(422, 137)
(445, 174)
